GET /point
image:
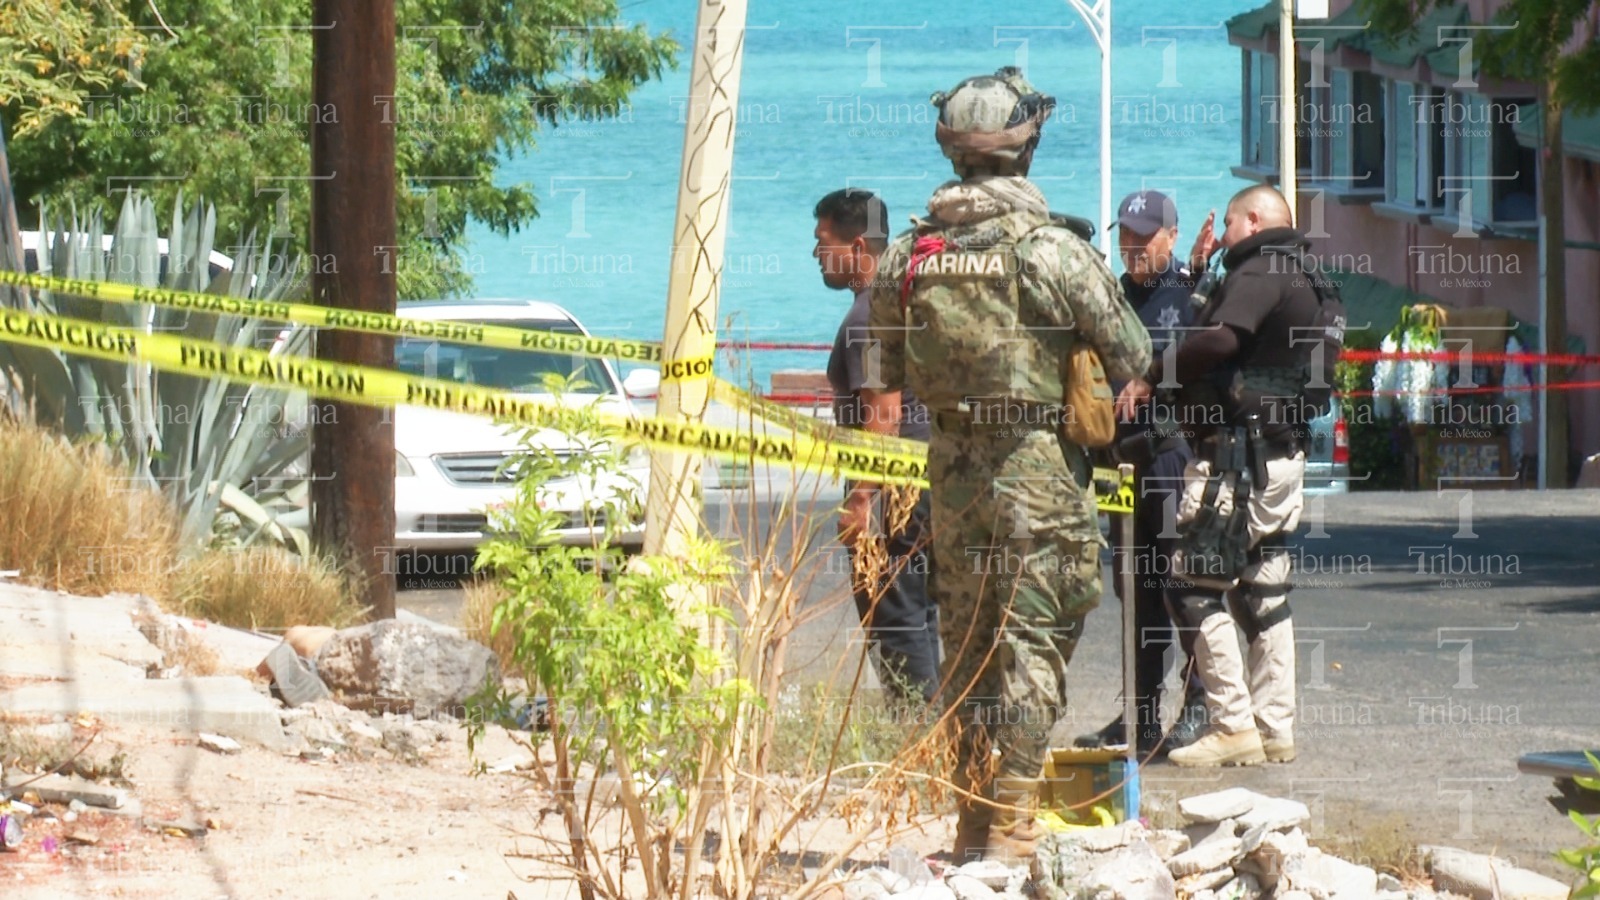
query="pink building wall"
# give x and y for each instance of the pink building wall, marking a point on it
(1502, 273)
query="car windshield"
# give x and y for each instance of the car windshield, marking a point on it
(512, 370)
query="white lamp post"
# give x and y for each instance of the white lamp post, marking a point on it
(1097, 17)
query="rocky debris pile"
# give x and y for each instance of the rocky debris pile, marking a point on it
(908, 878)
(1236, 845)
(324, 730)
(388, 666)
(1241, 845)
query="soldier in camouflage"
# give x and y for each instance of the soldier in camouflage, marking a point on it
(976, 310)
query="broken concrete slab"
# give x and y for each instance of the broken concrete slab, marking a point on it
(1267, 860)
(217, 743)
(404, 667)
(1322, 875)
(63, 789)
(965, 887)
(1218, 806)
(227, 705)
(1275, 814)
(994, 874)
(1133, 872)
(60, 637)
(1482, 877)
(1167, 843)
(1205, 881)
(1206, 856)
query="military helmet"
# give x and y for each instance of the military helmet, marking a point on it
(991, 119)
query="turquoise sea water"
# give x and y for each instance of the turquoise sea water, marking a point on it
(830, 96)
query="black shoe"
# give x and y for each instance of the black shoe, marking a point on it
(1115, 735)
(1191, 724)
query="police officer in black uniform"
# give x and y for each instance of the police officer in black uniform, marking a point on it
(1159, 286)
(1244, 369)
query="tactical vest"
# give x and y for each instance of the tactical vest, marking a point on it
(972, 331)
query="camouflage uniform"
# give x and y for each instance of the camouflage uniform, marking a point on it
(1016, 540)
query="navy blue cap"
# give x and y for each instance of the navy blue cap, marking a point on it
(1147, 212)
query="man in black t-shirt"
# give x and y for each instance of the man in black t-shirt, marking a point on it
(897, 613)
(1247, 357)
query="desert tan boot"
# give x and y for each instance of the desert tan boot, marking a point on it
(1014, 835)
(1218, 748)
(1279, 748)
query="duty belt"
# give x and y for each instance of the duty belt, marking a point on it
(1277, 448)
(1002, 414)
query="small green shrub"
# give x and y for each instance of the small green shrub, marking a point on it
(1585, 860)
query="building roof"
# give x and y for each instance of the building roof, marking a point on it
(1580, 133)
(1435, 38)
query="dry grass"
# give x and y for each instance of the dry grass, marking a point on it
(75, 521)
(194, 659)
(264, 589)
(478, 612)
(1383, 844)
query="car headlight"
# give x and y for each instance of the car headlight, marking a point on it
(402, 466)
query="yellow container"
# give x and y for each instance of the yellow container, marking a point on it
(1076, 780)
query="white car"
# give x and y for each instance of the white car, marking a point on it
(449, 470)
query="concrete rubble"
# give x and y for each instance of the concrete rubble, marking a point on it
(1237, 845)
(72, 664)
(403, 667)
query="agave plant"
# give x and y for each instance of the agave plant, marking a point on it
(218, 450)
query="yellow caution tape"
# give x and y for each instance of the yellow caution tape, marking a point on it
(503, 337)
(849, 452)
(385, 388)
(1115, 494)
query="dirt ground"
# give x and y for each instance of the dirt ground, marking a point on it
(355, 826)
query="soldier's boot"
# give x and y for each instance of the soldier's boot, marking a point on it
(973, 819)
(1014, 834)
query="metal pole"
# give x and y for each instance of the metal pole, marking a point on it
(1545, 348)
(1130, 648)
(352, 212)
(1105, 133)
(1098, 20)
(1288, 154)
(672, 511)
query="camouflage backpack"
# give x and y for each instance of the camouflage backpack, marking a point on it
(972, 333)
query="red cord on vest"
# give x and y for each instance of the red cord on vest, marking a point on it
(926, 246)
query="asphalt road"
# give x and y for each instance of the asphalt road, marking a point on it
(1440, 638)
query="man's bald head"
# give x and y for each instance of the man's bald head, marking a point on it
(1253, 210)
(1267, 204)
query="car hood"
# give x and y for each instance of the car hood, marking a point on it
(420, 432)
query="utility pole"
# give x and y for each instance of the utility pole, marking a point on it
(694, 286)
(1553, 286)
(352, 217)
(1288, 151)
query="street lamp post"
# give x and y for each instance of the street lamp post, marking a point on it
(1097, 17)
(1288, 152)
